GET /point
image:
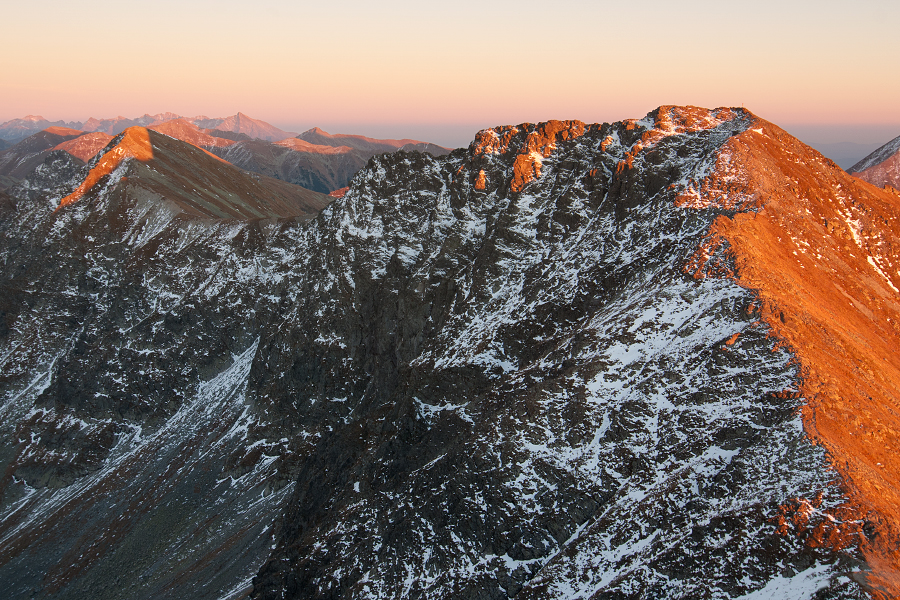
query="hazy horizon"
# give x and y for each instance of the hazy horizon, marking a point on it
(407, 69)
(845, 143)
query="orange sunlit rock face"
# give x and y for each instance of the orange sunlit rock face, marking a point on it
(489, 141)
(679, 119)
(135, 143)
(339, 193)
(628, 161)
(822, 251)
(539, 144)
(86, 146)
(481, 180)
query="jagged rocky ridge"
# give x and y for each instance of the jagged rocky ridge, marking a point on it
(485, 375)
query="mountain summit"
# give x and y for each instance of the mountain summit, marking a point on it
(241, 123)
(645, 359)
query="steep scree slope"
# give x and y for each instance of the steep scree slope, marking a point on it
(538, 367)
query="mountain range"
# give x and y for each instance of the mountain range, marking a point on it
(645, 359)
(19, 129)
(315, 159)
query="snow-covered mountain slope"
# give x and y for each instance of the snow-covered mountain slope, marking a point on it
(881, 167)
(148, 485)
(545, 366)
(552, 408)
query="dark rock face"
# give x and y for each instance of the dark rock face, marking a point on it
(437, 388)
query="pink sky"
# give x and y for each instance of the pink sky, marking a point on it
(401, 67)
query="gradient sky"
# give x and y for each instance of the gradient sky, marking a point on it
(442, 71)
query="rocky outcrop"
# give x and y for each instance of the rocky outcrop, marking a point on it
(539, 144)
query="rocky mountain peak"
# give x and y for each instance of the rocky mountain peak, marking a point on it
(134, 143)
(241, 123)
